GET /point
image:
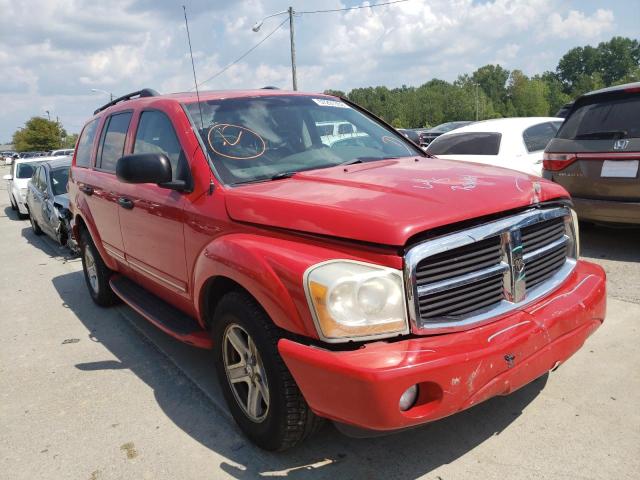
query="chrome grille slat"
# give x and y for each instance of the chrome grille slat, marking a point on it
(470, 289)
(451, 308)
(470, 277)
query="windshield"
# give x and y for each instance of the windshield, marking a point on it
(59, 180)
(25, 170)
(259, 138)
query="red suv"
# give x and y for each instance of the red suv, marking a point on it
(350, 277)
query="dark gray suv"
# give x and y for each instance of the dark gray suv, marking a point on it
(596, 154)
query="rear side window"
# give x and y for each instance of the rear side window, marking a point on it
(605, 117)
(156, 135)
(85, 143)
(472, 143)
(112, 144)
(538, 136)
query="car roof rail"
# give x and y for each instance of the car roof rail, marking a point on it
(145, 92)
(269, 87)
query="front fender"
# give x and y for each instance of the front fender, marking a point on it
(270, 269)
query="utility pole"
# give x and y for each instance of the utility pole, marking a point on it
(293, 49)
(477, 117)
(48, 115)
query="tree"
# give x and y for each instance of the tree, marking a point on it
(69, 141)
(493, 82)
(38, 134)
(528, 96)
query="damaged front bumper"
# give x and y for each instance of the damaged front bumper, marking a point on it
(362, 388)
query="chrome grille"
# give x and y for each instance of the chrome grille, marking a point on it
(469, 277)
(547, 237)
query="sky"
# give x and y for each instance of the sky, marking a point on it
(53, 52)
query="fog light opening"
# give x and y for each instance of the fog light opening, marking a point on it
(408, 398)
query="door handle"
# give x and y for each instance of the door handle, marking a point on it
(86, 189)
(125, 203)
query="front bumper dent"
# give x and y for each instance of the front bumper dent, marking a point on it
(361, 388)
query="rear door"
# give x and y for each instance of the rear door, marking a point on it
(37, 192)
(602, 139)
(151, 217)
(105, 187)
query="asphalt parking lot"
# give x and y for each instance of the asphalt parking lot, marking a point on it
(91, 393)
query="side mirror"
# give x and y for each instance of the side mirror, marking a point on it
(8, 177)
(144, 168)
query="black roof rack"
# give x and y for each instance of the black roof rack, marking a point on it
(145, 92)
(269, 87)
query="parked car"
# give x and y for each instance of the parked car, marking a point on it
(48, 202)
(596, 153)
(516, 143)
(8, 157)
(413, 134)
(62, 152)
(321, 275)
(429, 135)
(17, 181)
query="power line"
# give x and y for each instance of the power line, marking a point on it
(244, 54)
(353, 8)
(359, 7)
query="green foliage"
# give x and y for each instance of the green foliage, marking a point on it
(584, 68)
(492, 91)
(38, 134)
(69, 141)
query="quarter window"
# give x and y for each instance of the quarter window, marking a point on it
(113, 139)
(156, 135)
(85, 144)
(538, 136)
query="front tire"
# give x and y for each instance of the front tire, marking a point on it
(34, 225)
(14, 205)
(96, 273)
(261, 393)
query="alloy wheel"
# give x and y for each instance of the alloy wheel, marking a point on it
(245, 373)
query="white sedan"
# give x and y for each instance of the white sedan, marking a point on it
(516, 143)
(18, 180)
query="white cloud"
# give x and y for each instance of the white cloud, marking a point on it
(577, 24)
(57, 50)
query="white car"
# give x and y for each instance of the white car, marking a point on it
(516, 143)
(18, 180)
(8, 157)
(65, 152)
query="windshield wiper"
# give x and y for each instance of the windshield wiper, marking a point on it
(364, 159)
(281, 175)
(604, 135)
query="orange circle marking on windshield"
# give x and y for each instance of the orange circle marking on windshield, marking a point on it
(228, 141)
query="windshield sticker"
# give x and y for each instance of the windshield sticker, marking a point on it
(325, 102)
(235, 142)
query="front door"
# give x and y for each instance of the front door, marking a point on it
(151, 217)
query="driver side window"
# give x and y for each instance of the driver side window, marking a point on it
(156, 135)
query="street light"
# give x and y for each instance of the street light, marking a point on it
(290, 11)
(99, 90)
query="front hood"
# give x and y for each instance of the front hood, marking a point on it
(62, 200)
(386, 202)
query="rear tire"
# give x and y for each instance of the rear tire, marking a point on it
(282, 418)
(96, 273)
(14, 205)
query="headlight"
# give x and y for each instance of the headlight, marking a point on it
(356, 301)
(576, 231)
